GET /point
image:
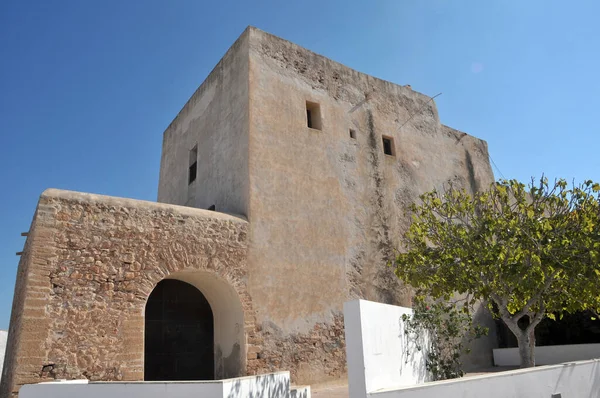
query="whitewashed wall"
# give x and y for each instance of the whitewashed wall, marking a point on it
(571, 380)
(548, 355)
(3, 338)
(300, 392)
(376, 348)
(273, 385)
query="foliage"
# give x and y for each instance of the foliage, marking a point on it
(533, 251)
(449, 330)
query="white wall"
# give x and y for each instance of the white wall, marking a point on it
(300, 392)
(273, 385)
(3, 337)
(571, 380)
(376, 348)
(548, 355)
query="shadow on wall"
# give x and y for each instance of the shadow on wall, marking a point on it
(414, 352)
(274, 385)
(300, 393)
(481, 355)
(228, 320)
(566, 373)
(228, 366)
(380, 354)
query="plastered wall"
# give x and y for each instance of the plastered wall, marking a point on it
(215, 120)
(327, 210)
(380, 354)
(577, 379)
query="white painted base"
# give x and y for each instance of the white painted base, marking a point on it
(578, 379)
(273, 385)
(548, 355)
(376, 348)
(3, 338)
(300, 392)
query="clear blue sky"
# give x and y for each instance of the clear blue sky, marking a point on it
(87, 87)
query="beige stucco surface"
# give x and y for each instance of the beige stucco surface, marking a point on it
(216, 120)
(327, 210)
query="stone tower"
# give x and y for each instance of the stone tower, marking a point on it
(314, 164)
(323, 161)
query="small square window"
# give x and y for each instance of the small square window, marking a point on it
(352, 133)
(388, 146)
(313, 115)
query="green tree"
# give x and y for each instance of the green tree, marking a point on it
(443, 331)
(526, 251)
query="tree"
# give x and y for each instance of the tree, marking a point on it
(525, 251)
(443, 332)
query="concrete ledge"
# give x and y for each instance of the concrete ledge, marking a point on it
(577, 379)
(548, 355)
(272, 385)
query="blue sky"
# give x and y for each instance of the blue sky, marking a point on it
(87, 87)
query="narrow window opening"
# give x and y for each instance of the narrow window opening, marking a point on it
(192, 173)
(388, 146)
(193, 165)
(313, 115)
(353, 134)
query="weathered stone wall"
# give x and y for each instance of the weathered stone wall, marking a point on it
(326, 209)
(24, 300)
(316, 354)
(89, 265)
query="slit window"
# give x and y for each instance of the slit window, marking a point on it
(353, 134)
(193, 165)
(388, 146)
(313, 115)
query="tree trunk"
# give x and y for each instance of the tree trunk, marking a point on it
(525, 338)
(531, 330)
(526, 347)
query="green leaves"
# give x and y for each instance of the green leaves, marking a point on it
(449, 330)
(525, 248)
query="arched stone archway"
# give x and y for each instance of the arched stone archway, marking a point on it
(102, 258)
(228, 319)
(178, 333)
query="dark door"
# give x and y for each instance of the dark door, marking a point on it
(179, 333)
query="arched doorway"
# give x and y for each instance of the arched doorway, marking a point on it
(179, 333)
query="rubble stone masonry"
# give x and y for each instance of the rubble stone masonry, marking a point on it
(89, 265)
